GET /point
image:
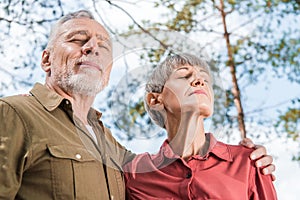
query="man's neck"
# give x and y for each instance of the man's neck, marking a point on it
(81, 104)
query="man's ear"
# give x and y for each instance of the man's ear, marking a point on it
(154, 101)
(46, 64)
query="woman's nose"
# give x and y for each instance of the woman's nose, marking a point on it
(198, 82)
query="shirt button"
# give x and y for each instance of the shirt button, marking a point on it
(78, 156)
(188, 175)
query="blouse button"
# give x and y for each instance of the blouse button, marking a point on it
(188, 175)
(78, 156)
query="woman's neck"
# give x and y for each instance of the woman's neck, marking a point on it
(187, 136)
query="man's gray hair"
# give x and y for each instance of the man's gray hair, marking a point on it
(162, 73)
(62, 20)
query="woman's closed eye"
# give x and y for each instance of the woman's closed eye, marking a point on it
(185, 76)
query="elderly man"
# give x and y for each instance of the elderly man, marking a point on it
(52, 143)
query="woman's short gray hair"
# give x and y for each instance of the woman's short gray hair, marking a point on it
(62, 20)
(162, 73)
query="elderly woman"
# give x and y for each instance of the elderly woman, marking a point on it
(191, 164)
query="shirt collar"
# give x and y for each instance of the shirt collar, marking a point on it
(51, 100)
(48, 98)
(219, 149)
(216, 148)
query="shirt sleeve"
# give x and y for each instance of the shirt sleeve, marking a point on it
(261, 186)
(116, 151)
(12, 151)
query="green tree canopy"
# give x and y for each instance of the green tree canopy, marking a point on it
(244, 42)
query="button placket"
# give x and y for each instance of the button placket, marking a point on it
(188, 175)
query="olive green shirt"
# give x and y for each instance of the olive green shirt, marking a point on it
(47, 153)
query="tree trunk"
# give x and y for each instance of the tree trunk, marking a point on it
(235, 87)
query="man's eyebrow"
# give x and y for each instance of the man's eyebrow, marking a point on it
(79, 32)
(86, 33)
(104, 39)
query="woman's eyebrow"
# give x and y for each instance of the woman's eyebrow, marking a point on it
(182, 68)
(202, 70)
(187, 68)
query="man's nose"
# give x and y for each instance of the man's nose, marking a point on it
(90, 47)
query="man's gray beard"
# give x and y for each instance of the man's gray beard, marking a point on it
(82, 84)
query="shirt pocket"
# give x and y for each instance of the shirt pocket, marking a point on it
(75, 173)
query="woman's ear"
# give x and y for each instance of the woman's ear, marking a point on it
(154, 101)
(46, 64)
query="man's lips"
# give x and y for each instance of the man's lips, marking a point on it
(89, 64)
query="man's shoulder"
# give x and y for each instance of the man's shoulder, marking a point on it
(17, 100)
(25, 105)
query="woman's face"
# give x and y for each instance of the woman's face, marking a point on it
(188, 89)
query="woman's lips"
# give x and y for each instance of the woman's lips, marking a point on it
(199, 92)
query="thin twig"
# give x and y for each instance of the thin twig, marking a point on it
(136, 23)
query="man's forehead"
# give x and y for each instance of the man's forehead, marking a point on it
(84, 25)
(85, 32)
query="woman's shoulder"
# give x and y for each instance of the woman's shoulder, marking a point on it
(239, 151)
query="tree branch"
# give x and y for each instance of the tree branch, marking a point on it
(270, 107)
(140, 27)
(14, 77)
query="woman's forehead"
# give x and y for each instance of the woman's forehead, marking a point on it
(196, 67)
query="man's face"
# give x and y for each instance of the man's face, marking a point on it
(188, 89)
(81, 57)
